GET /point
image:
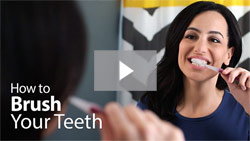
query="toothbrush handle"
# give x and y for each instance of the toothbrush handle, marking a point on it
(214, 68)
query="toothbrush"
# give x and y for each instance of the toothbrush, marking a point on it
(219, 70)
(84, 105)
(214, 68)
(202, 63)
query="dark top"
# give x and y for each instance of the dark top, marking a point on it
(228, 122)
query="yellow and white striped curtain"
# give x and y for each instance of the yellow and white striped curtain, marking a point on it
(145, 22)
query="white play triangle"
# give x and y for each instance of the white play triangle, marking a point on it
(124, 70)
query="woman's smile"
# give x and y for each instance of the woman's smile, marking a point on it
(197, 66)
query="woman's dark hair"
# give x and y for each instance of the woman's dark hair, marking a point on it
(169, 76)
(42, 42)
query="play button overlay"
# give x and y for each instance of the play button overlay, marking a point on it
(124, 70)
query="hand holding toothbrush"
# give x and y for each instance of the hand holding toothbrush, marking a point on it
(131, 123)
(240, 90)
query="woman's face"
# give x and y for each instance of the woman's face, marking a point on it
(206, 38)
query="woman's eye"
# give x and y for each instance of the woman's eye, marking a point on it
(214, 40)
(190, 37)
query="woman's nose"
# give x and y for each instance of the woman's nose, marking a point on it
(201, 46)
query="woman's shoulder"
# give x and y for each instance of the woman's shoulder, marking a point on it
(228, 98)
(231, 103)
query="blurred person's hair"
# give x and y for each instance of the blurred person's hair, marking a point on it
(42, 42)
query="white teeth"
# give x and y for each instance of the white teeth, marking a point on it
(198, 62)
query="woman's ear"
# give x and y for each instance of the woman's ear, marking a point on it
(228, 55)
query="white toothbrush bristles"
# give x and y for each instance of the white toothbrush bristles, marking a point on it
(203, 63)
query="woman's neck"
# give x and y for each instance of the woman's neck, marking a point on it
(200, 98)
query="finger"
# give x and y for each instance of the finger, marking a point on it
(234, 74)
(167, 130)
(157, 122)
(225, 77)
(225, 74)
(172, 132)
(120, 125)
(135, 115)
(227, 70)
(248, 82)
(146, 128)
(151, 117)
(105, 132)
(242, 79)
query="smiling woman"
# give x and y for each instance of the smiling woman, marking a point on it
(204, 40)
(205, 104)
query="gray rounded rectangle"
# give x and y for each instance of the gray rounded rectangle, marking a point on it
(107, 70)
